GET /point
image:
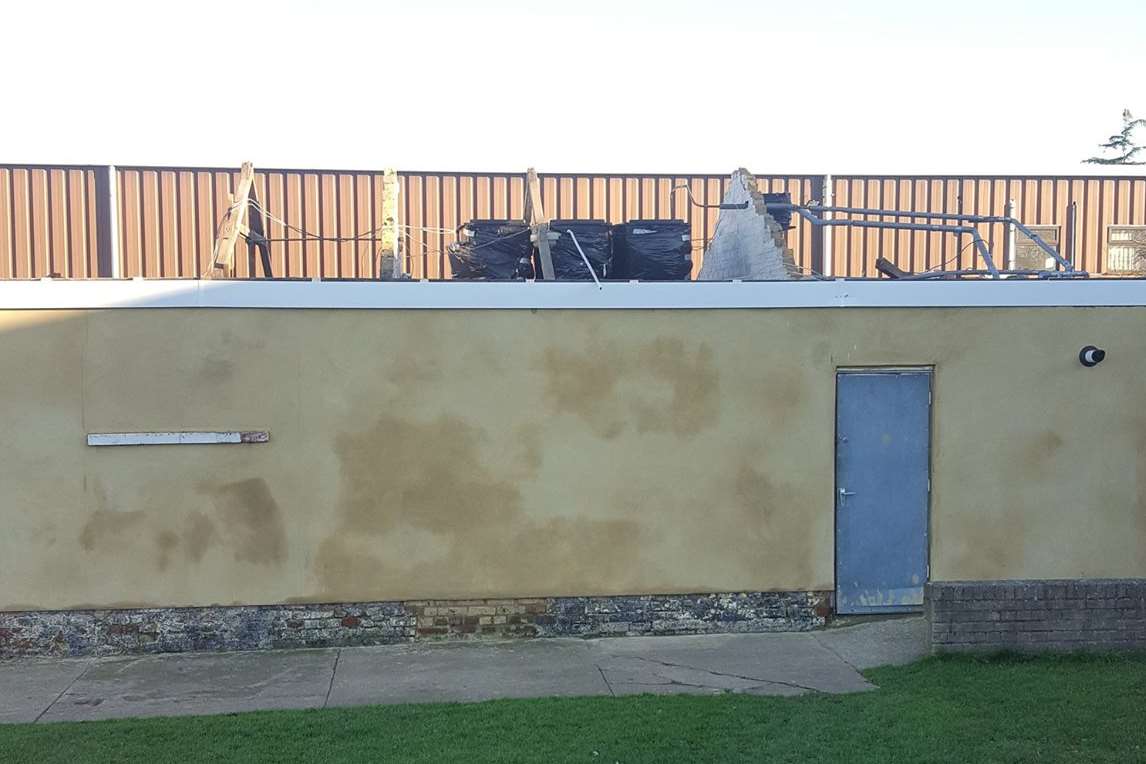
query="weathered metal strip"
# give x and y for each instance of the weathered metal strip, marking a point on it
(177, 438)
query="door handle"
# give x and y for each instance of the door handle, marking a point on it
(844, 496)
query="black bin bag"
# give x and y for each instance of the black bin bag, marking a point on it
(594, 238)
(652, 250)
(493, 249)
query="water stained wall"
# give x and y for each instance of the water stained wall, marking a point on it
(498, 453)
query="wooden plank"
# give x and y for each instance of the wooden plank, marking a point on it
(224, 253)
(535, 215)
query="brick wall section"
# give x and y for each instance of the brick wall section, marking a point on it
(620, 616)
(156, 630)
(747, 244)
(160, 630)
(1028, 616)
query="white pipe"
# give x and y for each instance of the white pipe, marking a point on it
(1011, 238)
(587, 264)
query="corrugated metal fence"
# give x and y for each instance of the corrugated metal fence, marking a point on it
(49, 222)
(54, 219)
(1039, 201)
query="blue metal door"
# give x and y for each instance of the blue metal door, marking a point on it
(883, 437)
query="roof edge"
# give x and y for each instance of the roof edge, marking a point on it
(49, 294)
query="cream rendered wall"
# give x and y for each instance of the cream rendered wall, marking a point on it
(427, 454)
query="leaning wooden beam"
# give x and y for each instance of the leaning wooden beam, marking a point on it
(234, 225)
(538, 222)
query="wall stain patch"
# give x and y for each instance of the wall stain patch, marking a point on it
(252, 520)
(665, 385)
(427, 474)
(768, 522)
(166, 541)
(199, 534)
(1041, 450)
(529, 449)
(408, 368)
(217, 370)
(580, 549)
(435, 478)
(754, 527)
(784, 390)
(692, 382)
(584, 384)
(107, 527)
(1140, 489)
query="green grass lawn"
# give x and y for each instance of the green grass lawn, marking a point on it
(940, 709)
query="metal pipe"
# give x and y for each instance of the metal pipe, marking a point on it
(672, 201)
(826, 234)
(577, 244)
(932, 275)
(1072, 233)
(957, 216)
(980, 245)
(1012, 242)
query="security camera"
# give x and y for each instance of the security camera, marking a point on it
(1091, 356)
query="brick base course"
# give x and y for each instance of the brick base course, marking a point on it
(1029, 616)
(156, 630)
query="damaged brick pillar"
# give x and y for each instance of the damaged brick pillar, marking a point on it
(390, 266)
(748, 243)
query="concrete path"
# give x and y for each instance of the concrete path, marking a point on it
(210, 683)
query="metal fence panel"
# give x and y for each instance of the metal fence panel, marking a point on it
(1039, 200)
(54, 219)
(48, 220)
(321, 223)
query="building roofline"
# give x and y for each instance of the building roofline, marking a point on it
(49, 294)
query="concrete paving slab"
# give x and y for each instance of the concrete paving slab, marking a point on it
(28, 687)
(774, 664)
(789, 662)
(889, 642)
(634, 675)
(466, 672)
(197, 683)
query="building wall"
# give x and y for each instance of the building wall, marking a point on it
(53, 217)
(464, 454)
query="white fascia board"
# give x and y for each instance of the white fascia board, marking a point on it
(47, 294)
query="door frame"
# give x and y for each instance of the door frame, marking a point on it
(929, 370)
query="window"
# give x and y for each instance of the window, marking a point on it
(1126, 249)
(1030, 256)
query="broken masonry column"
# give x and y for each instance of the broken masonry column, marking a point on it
(390, 247)
(747, 243)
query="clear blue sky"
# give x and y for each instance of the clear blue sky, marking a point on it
(882, 86)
